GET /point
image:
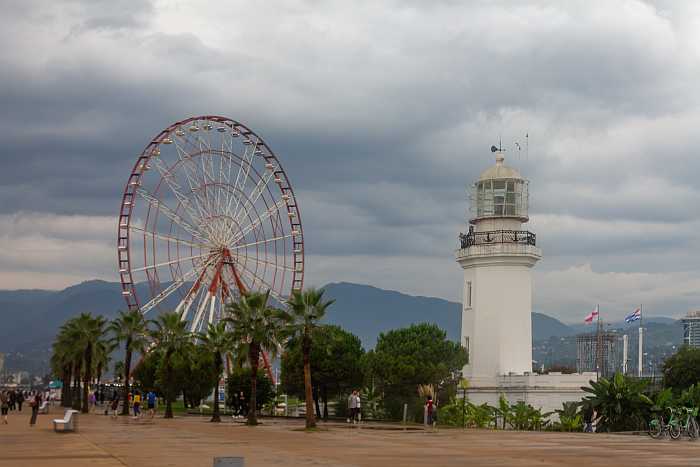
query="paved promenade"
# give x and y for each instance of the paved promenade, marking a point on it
(193, 442)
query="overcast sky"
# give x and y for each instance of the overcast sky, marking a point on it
(382, 114)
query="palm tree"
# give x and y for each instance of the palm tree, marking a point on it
(304, 313)
(219, 341)
(170, 338)
(63, 355)
(88, 332)
(131, 328)
(257, 327)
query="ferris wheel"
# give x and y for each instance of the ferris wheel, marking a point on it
(208, 214)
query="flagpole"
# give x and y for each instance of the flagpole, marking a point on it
(640, 350)
(598, 345)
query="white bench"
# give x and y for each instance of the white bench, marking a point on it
(67, 422)
(44, 408)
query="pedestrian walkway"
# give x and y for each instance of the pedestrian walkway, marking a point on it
(194, 442)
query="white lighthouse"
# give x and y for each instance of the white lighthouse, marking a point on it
(497, 255)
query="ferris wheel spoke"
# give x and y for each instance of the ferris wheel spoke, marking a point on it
(275, 265)
(244, 169)
(255, 278)
(255, 194)
(260, 242)
(169, 238)
(207, 158)
(177, 190)
(258, 221)
(170, 214)
(189, 168)
(192, 273)
(167, 263)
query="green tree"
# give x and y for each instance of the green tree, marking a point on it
(131, 328)
(620, 402)
(682, 369)
(304, 313)
(219, 342)
(336, 364)
(172, 341)
(257, 327)
(570, 417)
(404, 358)
(146, 372)
(240, 381)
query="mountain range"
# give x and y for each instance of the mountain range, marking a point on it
(29, 319)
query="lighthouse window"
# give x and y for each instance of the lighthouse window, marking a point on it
(468, 298)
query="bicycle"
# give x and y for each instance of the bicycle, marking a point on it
(659, 426)
(690, 425)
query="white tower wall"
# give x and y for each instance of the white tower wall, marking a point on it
(497, 327)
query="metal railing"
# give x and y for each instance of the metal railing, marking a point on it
(496, 236)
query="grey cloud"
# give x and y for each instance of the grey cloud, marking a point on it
(382, 115)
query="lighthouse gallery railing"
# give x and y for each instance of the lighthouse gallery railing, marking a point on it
(496, 236)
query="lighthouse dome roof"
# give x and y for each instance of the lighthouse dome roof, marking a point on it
(500, 170)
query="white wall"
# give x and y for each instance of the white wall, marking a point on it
(499, 323)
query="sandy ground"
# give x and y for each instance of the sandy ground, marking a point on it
(193, 442)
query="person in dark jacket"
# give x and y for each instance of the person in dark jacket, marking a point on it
(20, 400)
(35, 402)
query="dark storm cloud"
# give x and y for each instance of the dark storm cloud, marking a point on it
(382, 114)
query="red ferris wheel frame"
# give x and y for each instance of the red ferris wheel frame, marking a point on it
(219, 284)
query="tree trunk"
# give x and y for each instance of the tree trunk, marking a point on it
(317, 398)
(87, 378)
(325, 403)
(76, 386)
(216, 417)
(168, 389)
(127, 372)
(306, 348)
(65, 389)
(254, 357)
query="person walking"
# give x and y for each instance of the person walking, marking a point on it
(34, 402)
(358, 406)
(429, 409)
(115, 404)
(242, 405)
(351, 407)
(20, 400)
(151, 401)
(4, 406)
(12, 400)
(137, 404)
(92, 401)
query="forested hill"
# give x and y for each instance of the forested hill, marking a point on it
(29, 319)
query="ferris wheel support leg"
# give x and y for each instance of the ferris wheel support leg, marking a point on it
(266, 363)
(211, 308)
(198, 316)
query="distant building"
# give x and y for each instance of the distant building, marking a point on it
(691, 329)
(599, 352)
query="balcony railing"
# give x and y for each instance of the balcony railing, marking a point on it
(496, 236)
